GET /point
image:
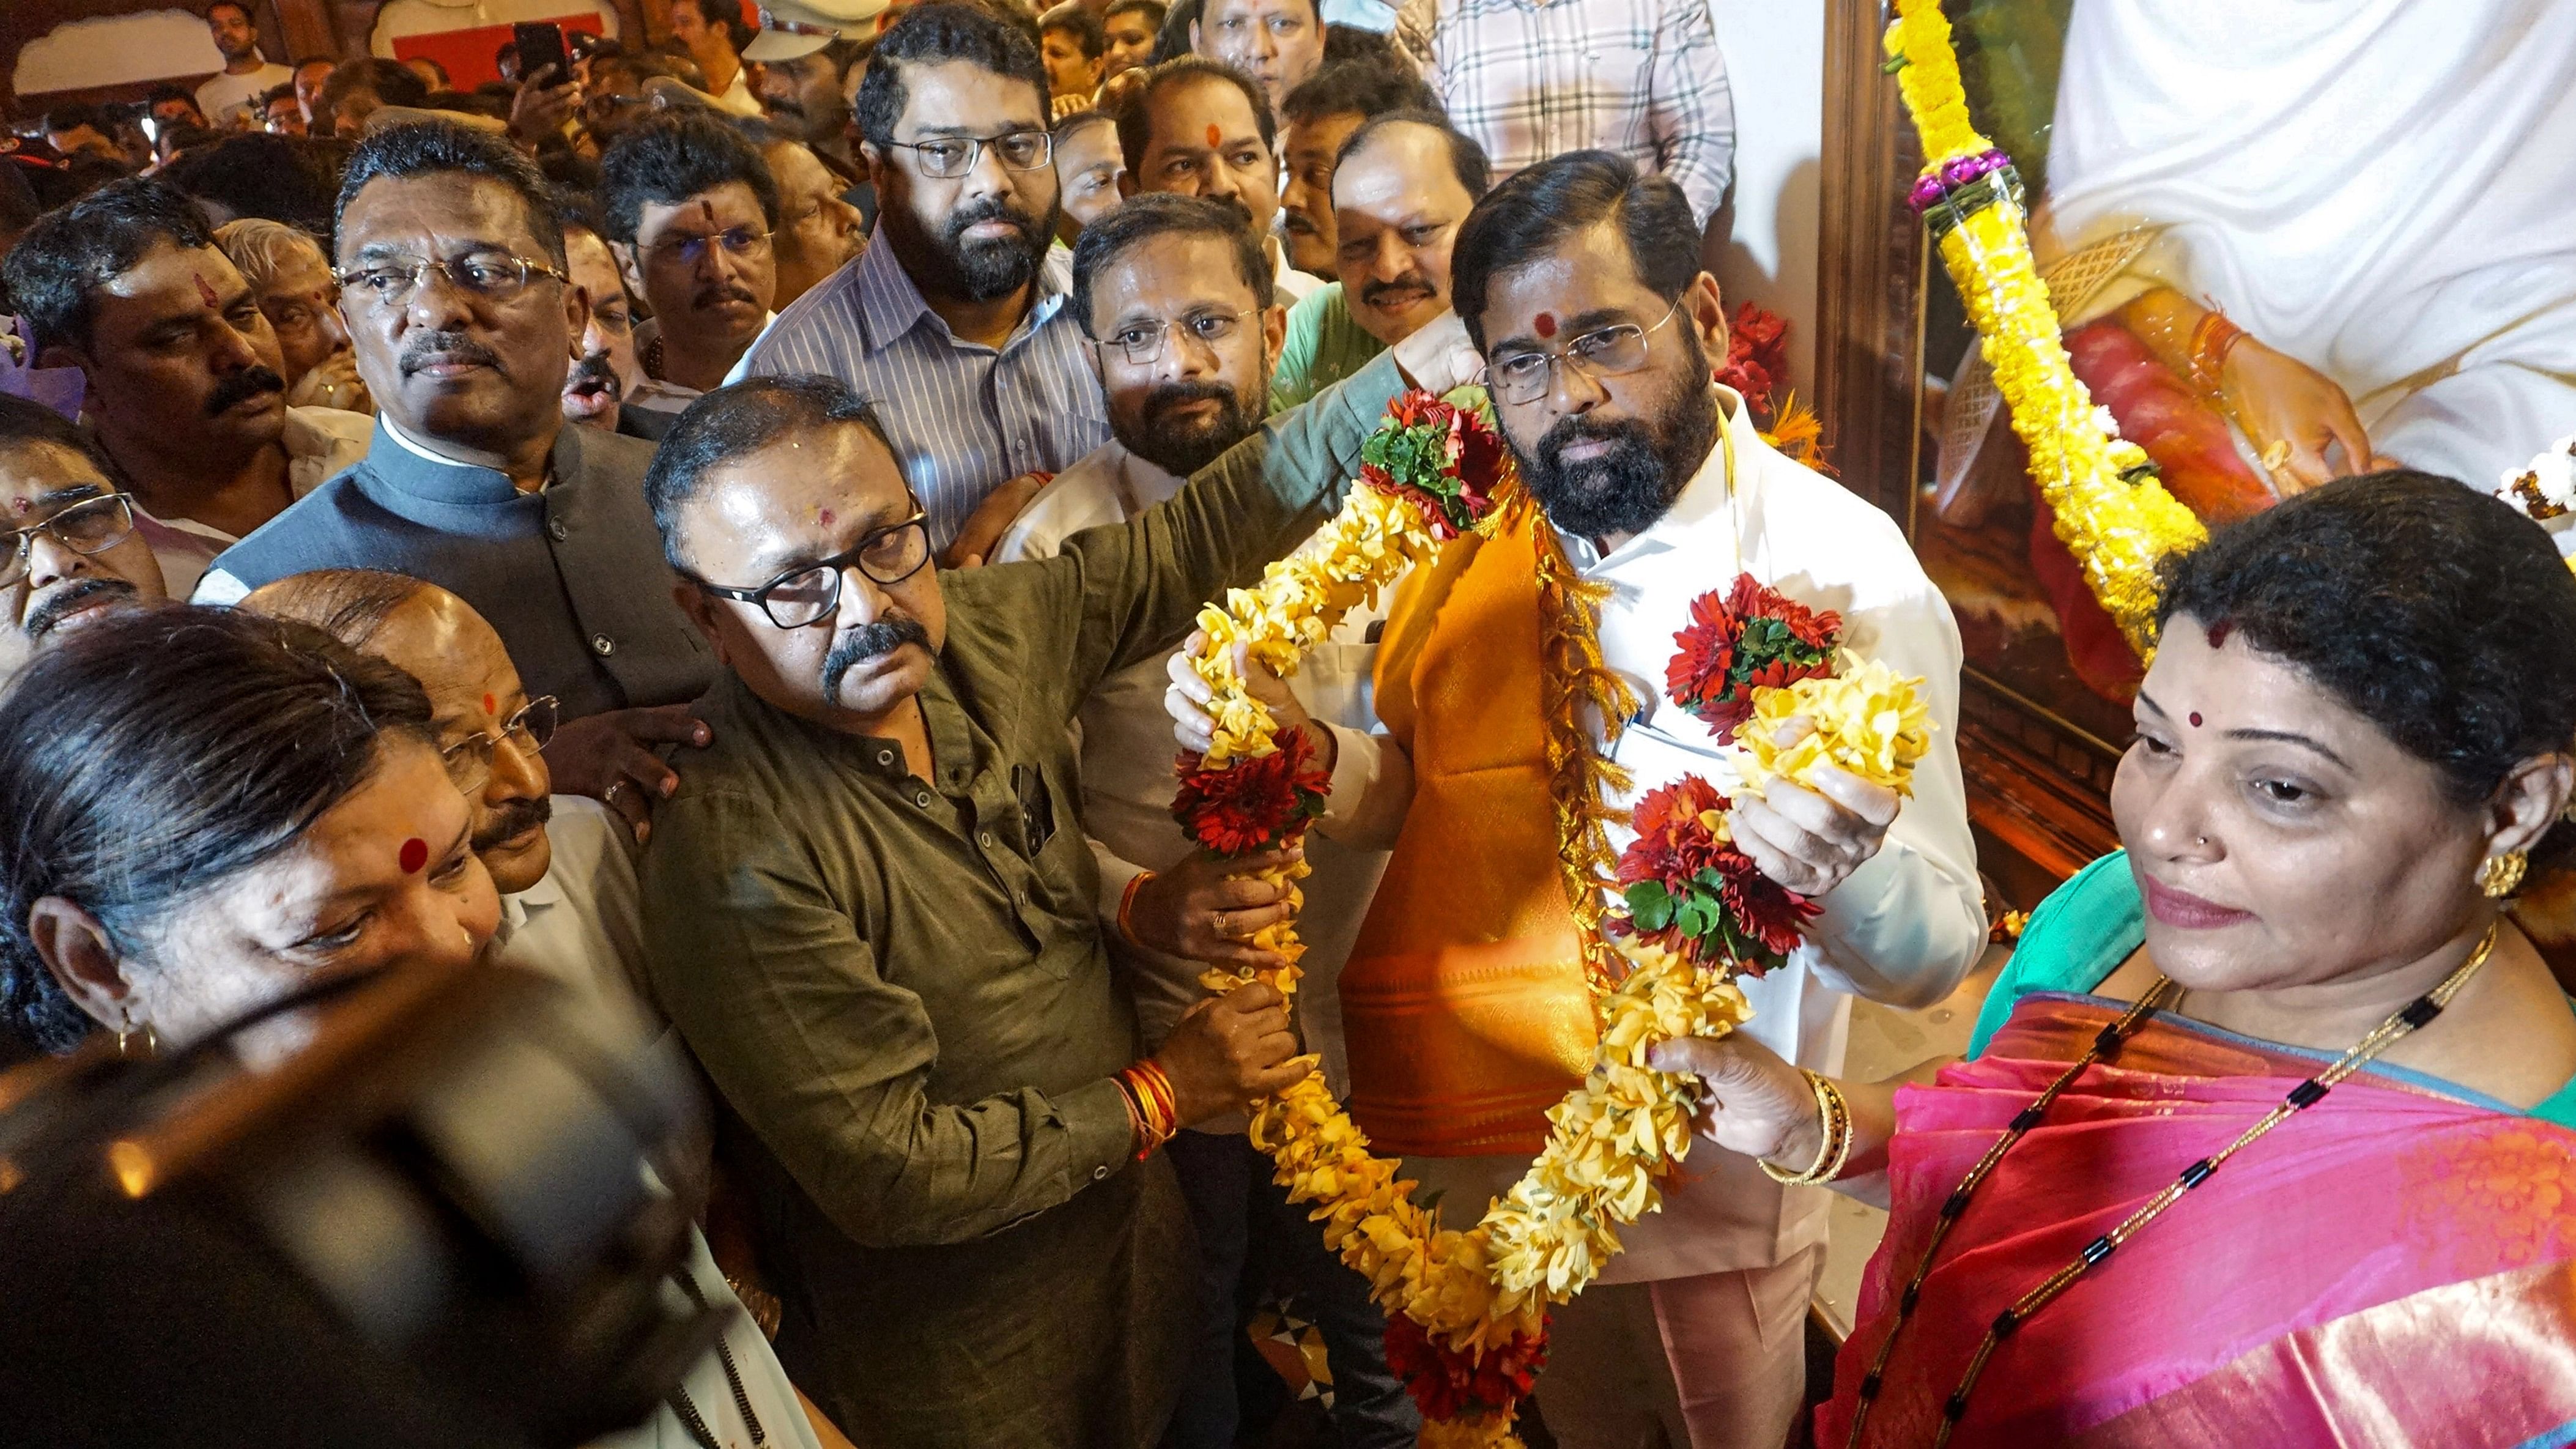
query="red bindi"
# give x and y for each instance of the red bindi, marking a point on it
(415, 854)
(1547, 324)
(1216, 137)
(2195, 719)
(206, 290)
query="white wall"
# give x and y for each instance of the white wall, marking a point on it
(114, 50)
(1775, 59)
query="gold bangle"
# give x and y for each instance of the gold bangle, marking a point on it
(1833, 1150)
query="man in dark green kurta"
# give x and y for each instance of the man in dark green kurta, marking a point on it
(869, 910)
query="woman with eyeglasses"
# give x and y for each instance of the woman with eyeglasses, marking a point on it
(2267, 1134)
(69, 551)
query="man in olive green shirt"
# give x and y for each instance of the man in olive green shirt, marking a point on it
(869, 909)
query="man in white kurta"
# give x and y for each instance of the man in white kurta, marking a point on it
(1695, 1333)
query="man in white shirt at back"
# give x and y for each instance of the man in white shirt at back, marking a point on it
(226, 96)
(1175, 293)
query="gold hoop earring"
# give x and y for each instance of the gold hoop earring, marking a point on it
(2501, 875)
(137, 1044)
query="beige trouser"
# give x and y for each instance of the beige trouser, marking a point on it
(1712, 1362)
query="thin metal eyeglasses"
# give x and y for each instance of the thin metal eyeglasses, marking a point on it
(951, 156)
(1142, 342)
(93, 525)
(805, 595)
(494, 276)
(737, 241)
(1612, 351)
(469, 760)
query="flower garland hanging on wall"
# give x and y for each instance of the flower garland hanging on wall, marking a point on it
(1468, 1309)
(2112, 514)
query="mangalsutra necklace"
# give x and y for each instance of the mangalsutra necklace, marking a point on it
(690, 1418)
(2106, 1043)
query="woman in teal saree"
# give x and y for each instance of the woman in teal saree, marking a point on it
(2265, 1134)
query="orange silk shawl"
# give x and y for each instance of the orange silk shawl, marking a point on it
(1464, 1004)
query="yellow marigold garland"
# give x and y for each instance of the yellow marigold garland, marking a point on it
(1480, 1296)
(2112, 514)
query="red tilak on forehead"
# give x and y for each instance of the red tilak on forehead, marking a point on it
(2195, 719)
(1215, 136)
(491, 705)
(206, 290)
(2219, 631)
(415, 854)
(1547, 324)
(824, 517)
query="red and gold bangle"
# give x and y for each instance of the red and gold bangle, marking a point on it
(1127, 907)
(1149, 1106)
(2212, 338)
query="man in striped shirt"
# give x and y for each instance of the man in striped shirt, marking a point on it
(1532, 79)
(953, 321)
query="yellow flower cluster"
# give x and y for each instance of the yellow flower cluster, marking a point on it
(2116, 529)
(1300, 598)
(1868, 720)
(1627, 1125)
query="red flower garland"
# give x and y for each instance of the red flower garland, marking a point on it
(1449, 1385)
(1439, 456)
(1757, 356)
(1754, 638)
(1256, 801)
(1695, 894)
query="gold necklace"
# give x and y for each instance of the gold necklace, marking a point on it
(2406, 1019)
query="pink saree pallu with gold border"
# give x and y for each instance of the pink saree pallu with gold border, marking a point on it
(2392, 1266)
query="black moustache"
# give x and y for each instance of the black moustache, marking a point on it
(727, 292)
(595, 368)
(1374, 293)
(68, 600)
(865, 643)
(241, 387)
(513, 819)
(995, 209)
(455, 344)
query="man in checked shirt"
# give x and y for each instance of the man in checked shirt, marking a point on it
(1532, 79)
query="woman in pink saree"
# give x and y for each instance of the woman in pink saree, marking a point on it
(2267, 1135)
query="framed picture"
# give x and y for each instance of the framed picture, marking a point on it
(2285, 242)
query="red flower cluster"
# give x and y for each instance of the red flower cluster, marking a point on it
(1754, 638)
(1450, 1385)
(1254, 802)
(1699, 896)
(1757, 355)
(1444, 458)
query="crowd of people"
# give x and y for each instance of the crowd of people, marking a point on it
(713, 529)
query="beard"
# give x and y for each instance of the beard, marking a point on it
(950, 266)
(1180, 447)
(865, 643)
(1650, 459)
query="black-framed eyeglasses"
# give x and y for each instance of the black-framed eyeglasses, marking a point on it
(1142, 341)
(93, 525)
(952, 156)
(1612, 351)
(812, 592)
(469, 760)
(493, 275)
(737, 241)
